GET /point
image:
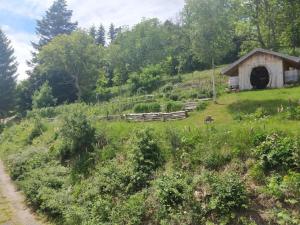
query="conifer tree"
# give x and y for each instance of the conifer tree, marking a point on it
(8, 69)
(112, 33)
(101, 40)
(56, 21)
(93, 32)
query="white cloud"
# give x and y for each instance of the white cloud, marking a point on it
(27, 8)
(87, 13)
(120, 12)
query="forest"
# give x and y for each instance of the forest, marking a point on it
(69, 150)
(136, 59)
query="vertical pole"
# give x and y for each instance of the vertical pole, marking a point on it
(213, 81)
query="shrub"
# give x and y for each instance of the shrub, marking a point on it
(215, 159)
(36, 129)
(43, 188)
(173, 106)
(147, 107)
(293, 113)
(202, 106)
(111, 178)
(48, 112)
(286, 188)
(2, 126)
(31, 158)
(147, 80)
(78, 132)
(103, 94)
(229, 193)
(278, 152)
(145, 157)
(174, 97)
(78, 144)
(260, 113)
(172, 191)
(222, 195)
(43, 97)
(167, 88)
(132, 211)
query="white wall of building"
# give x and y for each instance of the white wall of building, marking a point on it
(273, 64)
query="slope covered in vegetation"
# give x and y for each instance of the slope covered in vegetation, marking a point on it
(242, 169)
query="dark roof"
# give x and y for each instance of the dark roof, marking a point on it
(231, 67)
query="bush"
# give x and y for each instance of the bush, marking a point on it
(174, 97)
(215, 159)
(147, 80)
(43, 188)
(172, 191)
(286, 188)
(37, 128)
(132, 211)
(293, 113)
(43, 97)
(21, 163)
(78, 136)
(202, 106)
(103, 94)
(228, 194)
(173, 106)
(49, 112)
(145, 158)
(167, 88)
(2, 126)
(147, 107)
(278, 152)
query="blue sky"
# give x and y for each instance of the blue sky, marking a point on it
(18, 18)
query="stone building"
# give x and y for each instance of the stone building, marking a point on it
(262, 69)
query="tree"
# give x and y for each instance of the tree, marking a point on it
(147, 80)
(101, 40)
(93, 32)
(112, 33)
(145, 44)
(43, 97)
(8, 69)
(57, 21)
(75, 55)
(291, 24)
(211, 29)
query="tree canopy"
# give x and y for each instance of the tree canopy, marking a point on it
(74, 55)
(81, 64)
(56, 21)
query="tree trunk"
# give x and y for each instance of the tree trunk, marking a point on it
(79, 93)
(256, 19)
(213, 81)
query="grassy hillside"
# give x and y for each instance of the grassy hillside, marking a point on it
(242, 169)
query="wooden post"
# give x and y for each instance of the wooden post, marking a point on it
(213, 81)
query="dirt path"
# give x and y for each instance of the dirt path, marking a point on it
(20, 214)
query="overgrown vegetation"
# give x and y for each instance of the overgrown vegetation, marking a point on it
(76, 169)
(240, 168)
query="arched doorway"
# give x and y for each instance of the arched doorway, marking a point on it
(260, 77)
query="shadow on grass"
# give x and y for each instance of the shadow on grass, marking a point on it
(250, 106)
